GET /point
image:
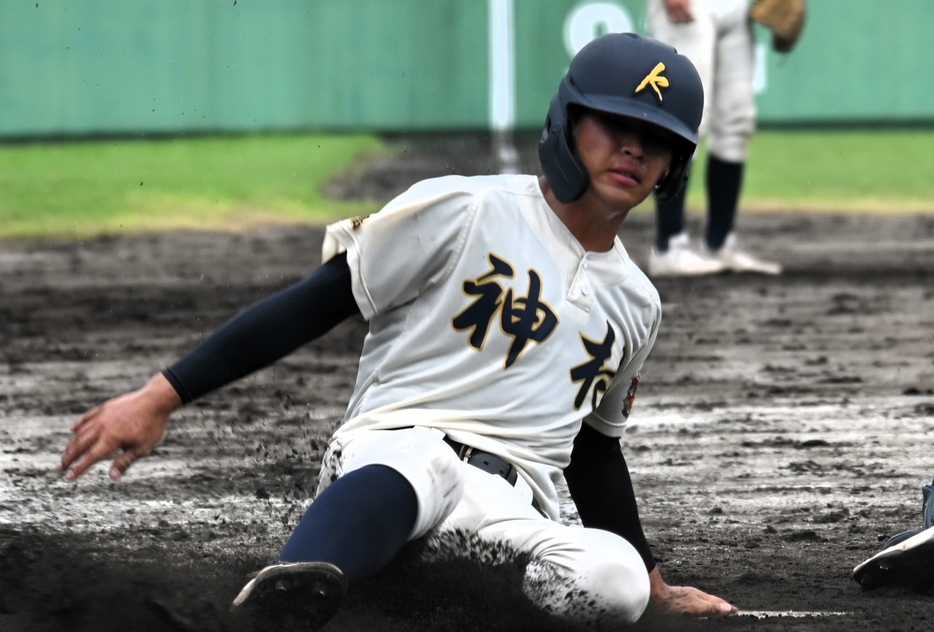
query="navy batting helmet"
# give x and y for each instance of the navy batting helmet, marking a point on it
(632, 76)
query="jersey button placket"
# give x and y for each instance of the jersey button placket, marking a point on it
(586, 290)
(581, 293)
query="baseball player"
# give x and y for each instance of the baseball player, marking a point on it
(507, 329)
(717, 36)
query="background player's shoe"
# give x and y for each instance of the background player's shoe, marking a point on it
(681, 260)
(732, 258)
(311, 592)
(906, 559)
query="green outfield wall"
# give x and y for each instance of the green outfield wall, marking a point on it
(80, 67)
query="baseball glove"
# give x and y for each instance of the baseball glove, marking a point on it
(785, 18)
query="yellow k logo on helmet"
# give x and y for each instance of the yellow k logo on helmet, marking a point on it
(656, 80)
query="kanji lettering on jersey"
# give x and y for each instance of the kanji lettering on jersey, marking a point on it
(527, 318)
(524, 318)
(479, 315)
(593, 373)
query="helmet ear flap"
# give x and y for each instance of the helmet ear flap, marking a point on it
(675, 179)
(566, 174)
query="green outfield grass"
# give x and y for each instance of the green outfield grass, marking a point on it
(885, 171)
(88, 188)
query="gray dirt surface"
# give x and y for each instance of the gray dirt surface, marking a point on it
(781, 431)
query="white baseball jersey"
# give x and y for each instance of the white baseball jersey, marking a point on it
(489, 321)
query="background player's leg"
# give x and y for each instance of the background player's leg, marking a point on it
(672, 254)
(669, 219)
(724, 182)
(358, 523)
(732, 123)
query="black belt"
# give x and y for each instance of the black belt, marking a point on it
(484, 461)
(488, 463)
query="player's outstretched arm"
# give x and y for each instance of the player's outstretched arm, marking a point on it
(130, 426)
(255, 338)
(665, 600)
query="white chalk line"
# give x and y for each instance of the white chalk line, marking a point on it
(790, 614)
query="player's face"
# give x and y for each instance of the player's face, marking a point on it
(625, 159)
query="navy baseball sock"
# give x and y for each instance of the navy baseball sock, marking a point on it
(669, 218)
(358, 523)
(724, 181)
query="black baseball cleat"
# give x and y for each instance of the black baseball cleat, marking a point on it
(311, 592)
(906, 559)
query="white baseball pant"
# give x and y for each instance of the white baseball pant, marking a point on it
(584, 575)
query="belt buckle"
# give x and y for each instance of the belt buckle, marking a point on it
(492, 464)
(467, 453)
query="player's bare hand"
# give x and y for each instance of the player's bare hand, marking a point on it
(679, 11)
(666, 601)
(130, 426)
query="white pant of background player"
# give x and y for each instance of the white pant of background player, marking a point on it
(585, 575)
(720, 43)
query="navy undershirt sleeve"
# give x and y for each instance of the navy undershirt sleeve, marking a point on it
(267, 331)
(600, 485)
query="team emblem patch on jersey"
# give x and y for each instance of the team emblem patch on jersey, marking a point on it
(594, 374)
(630, 397)
(656, 80)
(524, 318)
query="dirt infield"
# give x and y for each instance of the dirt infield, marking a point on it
(781, 432)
